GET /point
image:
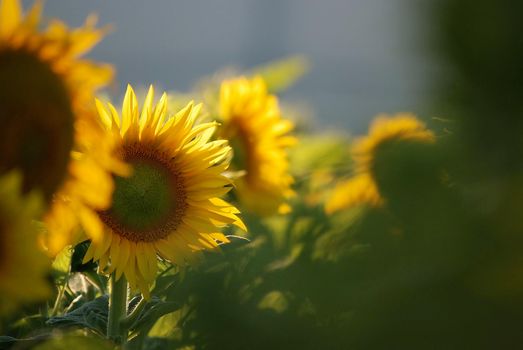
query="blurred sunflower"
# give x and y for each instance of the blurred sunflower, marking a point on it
(259, 136)
(49, 130)
(23, 267)
(362, 188)
(170, 204)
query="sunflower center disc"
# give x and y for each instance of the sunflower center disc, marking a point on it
(240, 144)
(143, 199)
(149, 204)
(36, 132)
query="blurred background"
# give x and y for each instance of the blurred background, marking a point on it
(368, 56)
(440, 266)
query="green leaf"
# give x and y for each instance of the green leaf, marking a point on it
(282, 74)
(274, 300)
(76, 342)
(166, 326)
(6, 342)
(154, 310)
(322, 152)
(77, 264)
(91, 315)
(62, 262)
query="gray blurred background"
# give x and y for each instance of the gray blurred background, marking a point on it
(367, 56)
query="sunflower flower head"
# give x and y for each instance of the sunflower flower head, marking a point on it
(49, 127)
(362, 189)
(260, 137)
(23, 266)
(169, 206)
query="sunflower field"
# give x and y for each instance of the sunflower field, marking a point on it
(222, 218)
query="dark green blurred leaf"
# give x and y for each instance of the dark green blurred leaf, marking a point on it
(153, 311)
(76, 342)
(91, 315)
(78, 255)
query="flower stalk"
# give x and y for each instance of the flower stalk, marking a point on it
(116, 330)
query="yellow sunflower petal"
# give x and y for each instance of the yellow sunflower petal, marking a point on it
(10, 16)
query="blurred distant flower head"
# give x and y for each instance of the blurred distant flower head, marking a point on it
(169, 205)
(260, 137)
(48, 127)
(362, 188)
(357, 190)
(23, 267)
(399, 127)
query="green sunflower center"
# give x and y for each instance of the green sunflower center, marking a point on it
(147, 205)
(143, 199)
(239, 159)
(36, 121)
(240, 144)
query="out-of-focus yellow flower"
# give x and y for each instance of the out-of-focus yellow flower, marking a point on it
(47, 115)
(259, 136)
(359, 189)
(23, 266)
(362, 188)
(384, 128)
(170, 204)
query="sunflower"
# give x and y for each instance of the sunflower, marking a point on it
(49, 127)
(362, 188)
(169, 206)
(22, 263)
(252, 122)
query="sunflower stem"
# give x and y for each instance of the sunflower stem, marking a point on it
(60, 296)
(116, 331)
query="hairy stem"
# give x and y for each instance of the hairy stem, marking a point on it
(116, 331)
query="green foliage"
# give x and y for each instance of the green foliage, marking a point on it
(154, 311)
(280, 75)
(91, 315)
(75, 341)
(320, 152)
(62, 263)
